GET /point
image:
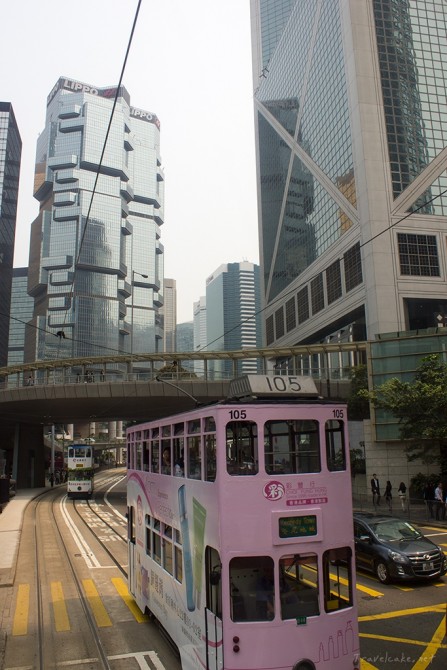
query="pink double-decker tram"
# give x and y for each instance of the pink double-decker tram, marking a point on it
(240, 529)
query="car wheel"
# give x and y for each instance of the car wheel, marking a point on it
(382, 572)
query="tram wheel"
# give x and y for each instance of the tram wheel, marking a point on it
(304, 665)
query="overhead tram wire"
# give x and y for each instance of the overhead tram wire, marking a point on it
(98, 171)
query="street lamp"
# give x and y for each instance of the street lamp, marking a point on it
(131, 313)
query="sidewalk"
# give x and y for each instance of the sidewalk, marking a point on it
(11, 520)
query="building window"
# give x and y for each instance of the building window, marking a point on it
(333, 282)
(279, 322)
(303, 305)
(317, 294)
(269, 333)
(353, 267)
(418, 255)
(290, 315)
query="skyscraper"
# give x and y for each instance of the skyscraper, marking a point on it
(10, 155)
(233, 313)
(22, 306)
(199, 331)
(169, 311)
(350, 99)
(96, 263)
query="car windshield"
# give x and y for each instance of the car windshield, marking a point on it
(394, 529)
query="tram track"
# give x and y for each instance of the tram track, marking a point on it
(46, 526)
(112, 529)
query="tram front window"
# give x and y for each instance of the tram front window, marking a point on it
(242, 448)
(252, 588)
(298, 586)
(291, 447)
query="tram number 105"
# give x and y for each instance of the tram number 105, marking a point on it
(283, 384)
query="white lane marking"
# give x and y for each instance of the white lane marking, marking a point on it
(86, 552)
(138, 656)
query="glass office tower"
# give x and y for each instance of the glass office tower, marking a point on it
(96, 263)
(351, 129)
(233, 315)
(10, 156)
(22, 306)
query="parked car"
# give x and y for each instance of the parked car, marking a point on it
(392, 548)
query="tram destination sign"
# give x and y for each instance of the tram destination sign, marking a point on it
(262, 386)
(297, 526)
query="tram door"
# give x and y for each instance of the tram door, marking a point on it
(131, 548)
(213, 610)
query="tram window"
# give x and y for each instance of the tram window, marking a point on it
(178, 564)
(298, 586)
(155, 455)
(167, 549)
(179, 428)
(139, 456)
(252, 588)
(148, 535)
(166, 431)
(178, 556)
(146, 456)
(194, 426)
(213, 580)
(209, 424)
(210, 457)
(337, 579)
(156, 542)
(291, 447)
(179, 458)
(129, 454)
(242, 448)
(131, 523)
(193, 458)
(71, 452)
(166, 459)
(335, 445)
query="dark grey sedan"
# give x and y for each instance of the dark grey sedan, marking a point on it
(392, 548)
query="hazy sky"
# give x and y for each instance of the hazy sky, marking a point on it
(190, 64)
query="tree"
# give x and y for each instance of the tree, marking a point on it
(421, 408)
(358, 403)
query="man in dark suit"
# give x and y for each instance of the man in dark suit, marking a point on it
(375, 490)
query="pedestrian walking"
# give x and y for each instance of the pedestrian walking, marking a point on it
(375, 490)
(51, 478)
(439, 502)
(402, 492)
(389, 495)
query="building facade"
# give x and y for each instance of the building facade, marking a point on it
(169, 312)
(96, 259)
(22, 307)
(351, 129)
(199, 330)
(233, 321)
(10, 157)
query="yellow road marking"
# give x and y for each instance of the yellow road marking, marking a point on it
(397, 613)
(426, 657)
(20, 623)
(370, 592)
(121, 587)
(61, 620)
(401, 640)
(99, 611)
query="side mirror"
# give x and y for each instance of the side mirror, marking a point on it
(364, 538)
